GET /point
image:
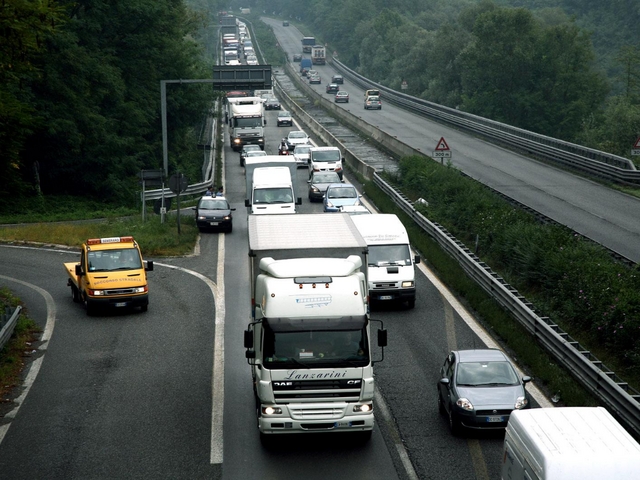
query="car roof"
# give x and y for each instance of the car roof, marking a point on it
(486, 354)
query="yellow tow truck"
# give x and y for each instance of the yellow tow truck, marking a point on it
(110, 274)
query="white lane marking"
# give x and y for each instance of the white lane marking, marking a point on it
(34, 369)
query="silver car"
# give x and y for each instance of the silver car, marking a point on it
(302, 153)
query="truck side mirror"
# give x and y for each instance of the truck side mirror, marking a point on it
(149, 266)
(342, 159)
(416, 259)
(247, 203)
(299, 201)
(248, 340)
(249, 354)
(382, 337)
(79, 271)
(265, 121)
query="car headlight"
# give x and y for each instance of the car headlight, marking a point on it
(407, 284)
(329, 204)
(315, 189)
(227, 217)
(465, 404)
(201, 217)
(521, 402)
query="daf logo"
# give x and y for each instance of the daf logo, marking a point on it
(282, 384)
(353, 382)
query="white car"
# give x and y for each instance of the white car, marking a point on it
(252, 60)
(297, 137)
(301, 154)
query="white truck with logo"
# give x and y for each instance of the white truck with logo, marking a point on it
(309, 342)
(390, 269)
(271, 185)
(568, 442)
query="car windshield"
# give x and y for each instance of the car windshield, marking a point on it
(330, 177)
(489, 374)
(301, 149)
(110, 260)
(255, 153)
(342, 192)
(213, 204)
(295, 344)
(250, 148)
(297, 135)
(373, 99)
(385, 255)
(284, 114)
(326, 156)
(272, 195)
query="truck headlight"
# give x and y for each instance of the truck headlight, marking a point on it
(366, 408)
(139, 289)
(271, 411)
(236, 140)
(407, 284)
(96, 293)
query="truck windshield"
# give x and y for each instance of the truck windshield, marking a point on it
(315, 347)
(111, 260)
(272, 195)
(383, 255)
(247, 122)
(326, 156)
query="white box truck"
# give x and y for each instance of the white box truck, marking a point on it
(271, 184)
(309, 342)
(584, 443)
(390, 269)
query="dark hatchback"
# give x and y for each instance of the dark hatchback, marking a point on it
(272, 103)
(318, 183)
(337, 79)
(214, 213)
(479, 389)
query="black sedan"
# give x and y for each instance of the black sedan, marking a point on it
(214, 213)
(318, 183)
(337, 79)
(332, 88)
(272, 103)
(479, 389)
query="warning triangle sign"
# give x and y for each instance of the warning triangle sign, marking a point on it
(637, 144)
(442, 145)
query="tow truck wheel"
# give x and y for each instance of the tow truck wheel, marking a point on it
(90, 308)
(75, 294)
(144, 308)
(411, 303)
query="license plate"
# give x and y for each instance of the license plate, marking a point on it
(495, 419)
(213, 224)
(120, 304)
(385, 297)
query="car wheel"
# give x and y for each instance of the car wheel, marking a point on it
(144, 308)
(411, 303)
(230, 229)
(75, 294)
(454, 423)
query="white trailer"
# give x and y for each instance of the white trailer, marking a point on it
(585, 443)
(390, 268)
(309, 342)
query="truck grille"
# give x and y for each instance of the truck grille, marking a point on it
(385, 285)
(119, 291)
(292, 391)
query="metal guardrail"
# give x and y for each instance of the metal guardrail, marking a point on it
(8, 321)
(594, 162)
(599, 380)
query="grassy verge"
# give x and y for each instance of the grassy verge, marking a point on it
(12, 356)
(550, 375)
(155, 238)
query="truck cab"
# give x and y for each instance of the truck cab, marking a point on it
(110, 274)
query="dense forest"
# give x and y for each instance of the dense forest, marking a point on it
(569, 69)
(80, 94)
(80, 80)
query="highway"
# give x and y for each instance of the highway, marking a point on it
(596, 211)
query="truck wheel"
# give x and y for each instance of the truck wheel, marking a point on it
(144, 308)
(75, 294)
(411, 303)
(91, 310)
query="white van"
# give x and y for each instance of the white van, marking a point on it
(390, 270)
(272, 191)
(585, 443)
(325, 159)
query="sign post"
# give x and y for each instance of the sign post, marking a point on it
(636, 147)
(149, 178)
(442, 150)
(178, 183)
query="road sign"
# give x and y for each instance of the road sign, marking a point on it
(636, 147)
(442, 154)
(442, 145)
(178, 183)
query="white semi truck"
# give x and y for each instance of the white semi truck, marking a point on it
(271, 184)
(390, 268)
(309, 343)
(246, 122)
